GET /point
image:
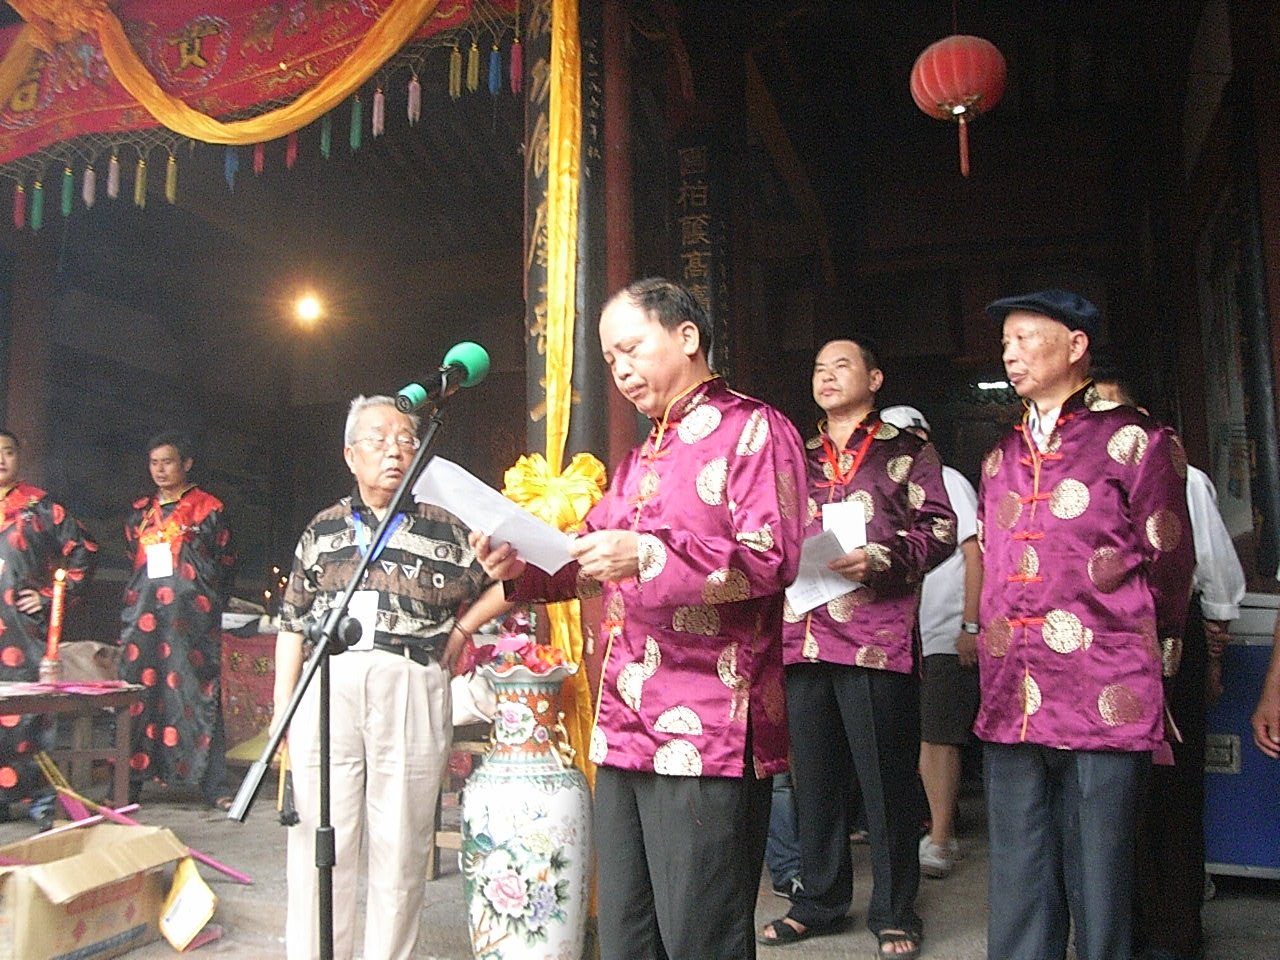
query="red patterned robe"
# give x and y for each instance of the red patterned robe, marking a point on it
(694, 642)
(172, 632)
(37, 536)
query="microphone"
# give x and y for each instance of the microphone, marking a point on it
(465, 365)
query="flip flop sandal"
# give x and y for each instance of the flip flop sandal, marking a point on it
(784, 933)
(896, 937)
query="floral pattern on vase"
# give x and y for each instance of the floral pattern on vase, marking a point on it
(526, 828)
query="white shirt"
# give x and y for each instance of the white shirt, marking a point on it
(1042, 425)
(1218, 577)
(942, 596)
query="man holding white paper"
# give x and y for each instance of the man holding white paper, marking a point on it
(852, 687)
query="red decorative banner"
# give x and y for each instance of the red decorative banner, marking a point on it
(222, 57)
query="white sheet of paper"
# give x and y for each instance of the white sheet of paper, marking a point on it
(815, 584)
(849, 522)
(482, 508)
(159, 560)
(364, 608)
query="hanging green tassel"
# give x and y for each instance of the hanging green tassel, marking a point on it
(357, 122)
(37, 206)
(473, 67)
(326, 136)
(68, 189)
(171, 180)
(140, 184)
(455, 73)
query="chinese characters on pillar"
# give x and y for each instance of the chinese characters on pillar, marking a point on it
(701, 244)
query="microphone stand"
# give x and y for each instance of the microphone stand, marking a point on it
(334, 636)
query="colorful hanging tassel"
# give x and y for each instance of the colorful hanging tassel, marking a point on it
(230, 167)
(455, 73)
(379, 117)
(517, 66)
(495, 71)
(171, 179)
(113, 176)
(19, 206)
(259, 158)
(357, 124)
(140, 183)
(415, 100)
(68, 190)
(37, 207)
(473, 68)
(90, 191)
(326, 136)
(291, 150)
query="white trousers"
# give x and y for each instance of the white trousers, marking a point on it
(389, 744)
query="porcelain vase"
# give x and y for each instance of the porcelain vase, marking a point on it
(526, 828)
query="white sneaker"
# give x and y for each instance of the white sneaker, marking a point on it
(936, 860)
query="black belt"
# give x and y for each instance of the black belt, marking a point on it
(418, 653)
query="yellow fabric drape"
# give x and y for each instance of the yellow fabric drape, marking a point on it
(50, 19)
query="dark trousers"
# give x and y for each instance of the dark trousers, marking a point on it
(846, 721)
(1170, 845)
(679, 861)
(1061, 827)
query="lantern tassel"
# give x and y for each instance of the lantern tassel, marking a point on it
(357, 124)
(326, 136)
(517, 66)
(230, 167)
(291, 150)
(495, 71)
(19, 206)
(140, 184)
(171, 179)
(37, 206)
(90, 190)
(378, 116)
(113, 176)
(259, 158)
(414, 109)
(473, 68)
(455, 73)
(964, 146)
(68, 190)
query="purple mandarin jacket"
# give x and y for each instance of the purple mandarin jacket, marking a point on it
(694, 642)
(1088, 560)
(911, 528)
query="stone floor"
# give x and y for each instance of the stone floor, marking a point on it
(1242, 921)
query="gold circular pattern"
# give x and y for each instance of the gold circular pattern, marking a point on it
(868, 503)
(1178, 456)
(1170, 656)
(1128, 445)
(828, 471)
(1106, 569)
(813, 443)
(1031, 698)
(997, 636)
(812, 507)
(899, 468)
(944, 530)
(1164, 530)
(758, 540)
(788, 495)
(1054, 443)
(874, 658)
(1094, 401)
(789, 614)
(652, 556)
(915, 495)
(809, 649)
(679, 720)
(840, 609)
(713, 480)
(1062, 631)
(726, 586)
(699, 423)
(1118, 704)
(1008, 510)
(879, 559)
(887, 431)
(678, 758)
(702, 620)
(1029, 562)
(649, 484)
(992, 461)
(1069, 499)
(754, 435)
(631, 680)
(846, 462)
(599, 748)
(615, 607)
(727, 666)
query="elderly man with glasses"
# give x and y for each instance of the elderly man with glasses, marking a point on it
(420, 600)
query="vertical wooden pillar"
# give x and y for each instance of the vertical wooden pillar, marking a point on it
(31, 303)
(537, 123)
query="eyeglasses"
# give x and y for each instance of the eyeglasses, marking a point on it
(377, 442)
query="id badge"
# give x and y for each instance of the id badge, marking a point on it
(364, 608)
(159, 561)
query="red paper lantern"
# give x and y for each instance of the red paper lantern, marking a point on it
(958, 78)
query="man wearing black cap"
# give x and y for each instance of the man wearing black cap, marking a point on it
(1083, 521)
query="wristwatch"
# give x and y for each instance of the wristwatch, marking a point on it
(968, 626)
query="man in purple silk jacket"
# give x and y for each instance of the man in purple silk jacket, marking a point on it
(1082, 515)
(693, 545)
(852, 680)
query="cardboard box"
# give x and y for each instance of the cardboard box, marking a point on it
(87, 893)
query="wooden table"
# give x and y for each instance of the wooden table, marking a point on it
(17, 698)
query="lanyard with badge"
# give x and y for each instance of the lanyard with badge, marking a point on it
(364, 603)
